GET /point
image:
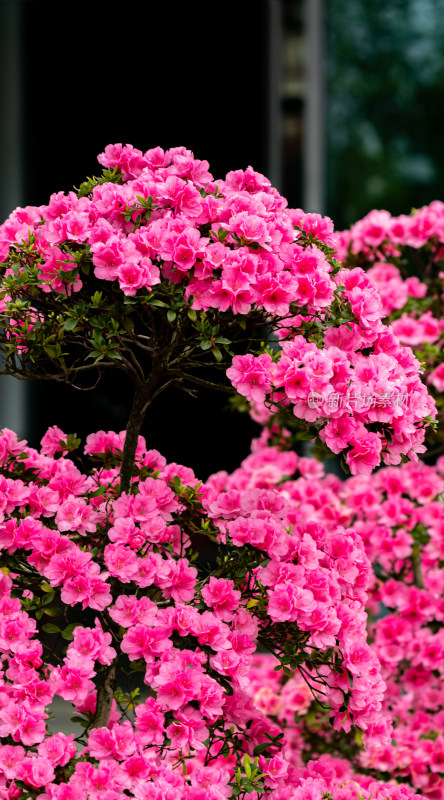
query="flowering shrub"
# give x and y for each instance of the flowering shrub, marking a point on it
(158, 271)
(404, 258)
(68, 538)
(402, 528)
(399, 515)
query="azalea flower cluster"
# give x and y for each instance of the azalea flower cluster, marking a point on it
(315, 593)
(379, 230)
(315, 775)
(401, 520)
(399, 515)
(232, 243)
(70, 541)
(369, 407)
(404, 258)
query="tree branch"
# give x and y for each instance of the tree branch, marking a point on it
(184, 376)
(418, 576)
(105, 696)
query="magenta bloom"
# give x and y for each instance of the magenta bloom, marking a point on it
(251, 376)
(365, 453)
(220, 594)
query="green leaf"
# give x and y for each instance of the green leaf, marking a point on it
(171, 315)
(52, 611)
(261, 748)
(98, 492)
(192, 314)
(72, 441)
(205, 344)
(50, 627)
(67, 632)
(217, 354)
(70, 324)
(158, 303)
(222, 340)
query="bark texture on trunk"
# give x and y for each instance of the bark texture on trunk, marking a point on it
(142, 399)
(105, 696)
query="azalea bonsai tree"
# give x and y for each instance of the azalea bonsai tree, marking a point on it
(174, 278)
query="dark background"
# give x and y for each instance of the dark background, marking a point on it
(147, 74)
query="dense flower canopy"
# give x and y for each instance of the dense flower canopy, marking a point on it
(404, 258)
(129, 559)
(246, 669)
(398, 513)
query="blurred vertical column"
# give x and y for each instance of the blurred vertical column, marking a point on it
(296, 102)
(275, 25)
(292, 96)
(13, 393)
(314, 123)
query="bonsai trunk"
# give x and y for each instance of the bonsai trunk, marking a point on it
(105, 696)
(142, 399)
